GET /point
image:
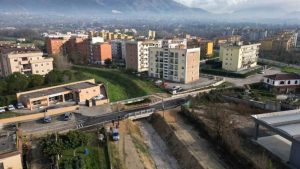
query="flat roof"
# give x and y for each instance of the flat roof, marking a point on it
(57, 90)
(284, 123)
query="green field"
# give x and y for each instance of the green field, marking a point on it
(96, 159)
(121, 85)
(287, 69)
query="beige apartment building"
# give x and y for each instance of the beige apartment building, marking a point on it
(282, 41)
(25, 61)
(178, 64)
(237, 57)
(137, 54)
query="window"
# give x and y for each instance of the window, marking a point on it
(281, 82)
(289, 82)
(296, 82)
(15, 60)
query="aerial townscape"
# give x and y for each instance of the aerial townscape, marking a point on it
(160, 84)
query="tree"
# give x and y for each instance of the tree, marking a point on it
(75, 139)
(61, 62)
(53, 77)
(17, 82)
(79, 75)
(36, 80)
(68, 76)
(107, 61)
(3, 86)
(52, 145)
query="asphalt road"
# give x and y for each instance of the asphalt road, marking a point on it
(90, 121)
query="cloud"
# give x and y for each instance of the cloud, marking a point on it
(225, 6)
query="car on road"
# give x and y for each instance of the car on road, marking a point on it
(20, 106)
(47, 119)
(115, 134)
(175, 89)
(10, 107)
(67, 116)
(2, 109)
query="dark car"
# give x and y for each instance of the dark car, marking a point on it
(47, 119)
(67, 116)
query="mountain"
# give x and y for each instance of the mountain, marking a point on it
(96, 7)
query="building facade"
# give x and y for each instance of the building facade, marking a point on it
(237, 57)
(207, 48)
(137, 54)
(25, 61)
(177, 64)
(101, 52)
(283, 41)
(76, 92)
(283, 83)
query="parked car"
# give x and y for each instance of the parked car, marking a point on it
(67, 116)
(20, 106)
(47, 119)
(99, 97)
(2, 109)
(11, 107)
(115, 134)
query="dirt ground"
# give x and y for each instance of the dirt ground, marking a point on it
(197, 146)
(133, 152)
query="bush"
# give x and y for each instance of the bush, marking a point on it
(17, 82)
(36, 80)
(54, 77)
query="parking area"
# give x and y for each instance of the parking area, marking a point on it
(252, 79)
(58, 123)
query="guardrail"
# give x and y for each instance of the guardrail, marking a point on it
(134, 116)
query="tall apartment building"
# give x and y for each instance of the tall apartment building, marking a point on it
(178, 63)
(151, 34)
(282, 41)
(237, 57)
(55, 46)
(227, 39)
(118, 52)
(101, 52)
(25, 61)
(207, 48)
(137, 54)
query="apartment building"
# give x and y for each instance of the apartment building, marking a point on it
(179, 63)
(237, 57)
(282, 41)
(25, 61)
(137, 54)
(207, 48)
(227, 39)
(101, 52)
(114, 36)
(55, 46)
(118, 52)
(151, 34)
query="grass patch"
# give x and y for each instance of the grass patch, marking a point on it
(8, 114)
(96, 159)
(115, 157)
(121, 85)
(287, 69)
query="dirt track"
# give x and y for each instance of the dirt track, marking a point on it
(158, 149)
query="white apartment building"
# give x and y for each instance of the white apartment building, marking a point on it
(238, 57)
(137, 54)
(25, 62)
(283, 83)
(177, 64)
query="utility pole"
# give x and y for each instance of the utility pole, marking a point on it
(163, 106)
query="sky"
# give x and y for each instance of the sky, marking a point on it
(228, 6)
